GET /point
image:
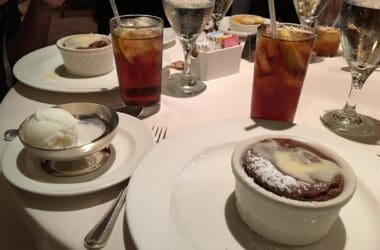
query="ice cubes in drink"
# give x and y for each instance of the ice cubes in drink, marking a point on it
(137, 22)
(280, 68)
(293, 52)
(135, 44)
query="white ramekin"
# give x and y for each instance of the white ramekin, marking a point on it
(280, 219)
(237, 26)
(87, 62)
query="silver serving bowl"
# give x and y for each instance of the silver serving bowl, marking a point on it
(86, 113)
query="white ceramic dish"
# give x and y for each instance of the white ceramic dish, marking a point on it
(87, 62)
(191, 205)
(130, 144)
(44, 69)
(259, 207)
(225, 27)
(206, 66)
(236, 25)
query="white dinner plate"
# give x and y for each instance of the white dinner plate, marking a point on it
(181, 195)
(130, 144)
(44, 69)
(169, 36)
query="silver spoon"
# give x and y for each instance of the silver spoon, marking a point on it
(10, 134)
(100, 233)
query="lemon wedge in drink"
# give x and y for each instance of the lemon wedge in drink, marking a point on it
(289, 50)
(124, 43)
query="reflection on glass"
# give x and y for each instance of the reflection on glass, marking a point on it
(220, 9)
(308, 10)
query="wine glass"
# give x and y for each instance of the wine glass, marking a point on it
(360, 36)
(220, 9)
(328, 16)
(308, 10)
(187, 18)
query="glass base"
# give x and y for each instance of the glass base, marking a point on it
(139, 111)
(338, 122)
(85, 165)
(184, 88)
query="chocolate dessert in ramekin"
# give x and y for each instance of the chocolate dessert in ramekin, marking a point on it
(288, 189)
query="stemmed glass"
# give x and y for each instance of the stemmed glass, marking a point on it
(360, 36)
(220, 9)
(308, 10)
(187, 18)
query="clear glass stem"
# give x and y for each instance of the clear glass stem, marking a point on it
(216, 24)
(187, 77)
(349, 108)
(311, 22)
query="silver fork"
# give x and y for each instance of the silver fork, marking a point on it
(100, 233)
(159, 133)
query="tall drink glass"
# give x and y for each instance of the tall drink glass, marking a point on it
(280, 67)
(137, 46)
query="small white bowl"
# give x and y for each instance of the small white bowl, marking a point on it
(280, 219)
(237, 23)
(87, 62)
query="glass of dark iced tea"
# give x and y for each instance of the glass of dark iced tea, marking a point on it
(137, 46)
(281, 62)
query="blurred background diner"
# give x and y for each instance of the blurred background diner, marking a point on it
(27, 25)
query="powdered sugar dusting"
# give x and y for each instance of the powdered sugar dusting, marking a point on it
(270, 174)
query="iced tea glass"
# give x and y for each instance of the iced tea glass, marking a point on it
(281, 62)
(137, 46)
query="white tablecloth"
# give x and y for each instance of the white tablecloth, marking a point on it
(61, 223)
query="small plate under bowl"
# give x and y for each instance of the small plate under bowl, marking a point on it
(96, 129)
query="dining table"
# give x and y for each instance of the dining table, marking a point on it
(31, 220)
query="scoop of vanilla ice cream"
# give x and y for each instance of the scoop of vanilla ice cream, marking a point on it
(52, 128)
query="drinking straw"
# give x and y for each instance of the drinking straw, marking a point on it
(115, 11)
(272, 14)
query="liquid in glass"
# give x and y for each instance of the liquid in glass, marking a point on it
(281, 62)
(138, 56)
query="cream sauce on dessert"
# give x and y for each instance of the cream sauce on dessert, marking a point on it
(298, 162)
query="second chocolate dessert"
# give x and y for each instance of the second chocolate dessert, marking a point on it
(293, 169)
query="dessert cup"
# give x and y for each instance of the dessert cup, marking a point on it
(87, 62)
(280, 219)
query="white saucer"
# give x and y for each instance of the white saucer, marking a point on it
(130, 144)
(187, 200)
(44, 69)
